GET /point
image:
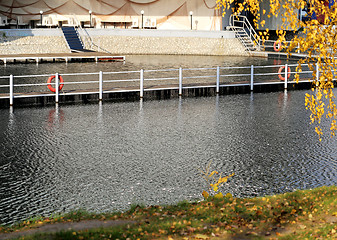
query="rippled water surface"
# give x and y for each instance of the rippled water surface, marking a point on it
(104, 157)
(135, 63)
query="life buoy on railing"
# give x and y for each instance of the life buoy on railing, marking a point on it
(279, 46)
(280, 75)
(49, 83)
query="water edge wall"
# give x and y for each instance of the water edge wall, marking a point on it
(124, 41)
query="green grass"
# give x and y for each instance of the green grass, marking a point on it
(296, 215)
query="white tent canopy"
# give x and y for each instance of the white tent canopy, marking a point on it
(205, 15)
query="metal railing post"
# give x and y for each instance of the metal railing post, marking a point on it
(298, 48)
(251, 77)
(217, 79)
(56, 88)
(180, 81)
(141, 90)
(286, 77)
(100, 86)
(11, 90)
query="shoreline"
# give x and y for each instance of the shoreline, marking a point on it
(293, 214)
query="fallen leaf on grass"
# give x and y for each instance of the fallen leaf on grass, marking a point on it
(252, 233)
(201, 236)
(302, 227)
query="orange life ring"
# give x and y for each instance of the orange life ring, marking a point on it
(278, 42)
(280, 75)
(49, 83)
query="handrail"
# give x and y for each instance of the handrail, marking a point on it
(83, 30)
(88, 37)
(78, 24)
(246, 23)
(266, 43)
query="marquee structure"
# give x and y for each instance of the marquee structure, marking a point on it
(160, 14)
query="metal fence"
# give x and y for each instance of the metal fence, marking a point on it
(25, 86)
(272, 46)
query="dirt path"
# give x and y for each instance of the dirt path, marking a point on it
(56, 227)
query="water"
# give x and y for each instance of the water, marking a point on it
(104, 157)
(135, 63)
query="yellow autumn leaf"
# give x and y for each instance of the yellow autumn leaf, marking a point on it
(218, 195)
(223, 180)
(201, 236)
(212, 173)
(205, 194)
(229, 195)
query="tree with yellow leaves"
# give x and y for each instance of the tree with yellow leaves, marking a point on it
(318, 41)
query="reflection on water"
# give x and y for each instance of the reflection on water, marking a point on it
(106, 156)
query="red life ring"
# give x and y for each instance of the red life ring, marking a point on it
(49, 81)
(278, 42)
(280, 75)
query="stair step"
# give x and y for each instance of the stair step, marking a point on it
(244, 37)
(72, 38)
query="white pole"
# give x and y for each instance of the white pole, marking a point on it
(56, 88)
(100, 86)
(217, 79)
(251, 77)
(286, 77)
(11, 90)
(317, 73)
(141, 90)
(298, 48)
(180, 81)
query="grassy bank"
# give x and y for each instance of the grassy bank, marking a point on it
(310, 214)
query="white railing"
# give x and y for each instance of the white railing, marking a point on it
(268, 45)
(84, 33)
(148, 80)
